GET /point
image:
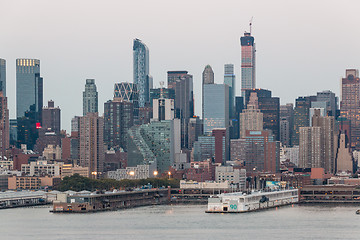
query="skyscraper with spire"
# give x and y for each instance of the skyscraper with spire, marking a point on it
(247, 62)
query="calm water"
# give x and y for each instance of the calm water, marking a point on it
(183, 222)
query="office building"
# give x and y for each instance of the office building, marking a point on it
(247, 62)
(236, 177)
(251, 118)
(157, 93)
(301, 116)
(262, 152)
(229, 79)
(216, 107)
(195, 129)
(51, 118)
(207, 78)
(118, 119)
(331, 102)
(3, 76)
(4, 126)
(286, 123)
(349, 106)
(163, 109)
(221, 145)
(142, 78)
(270, 107)
(90, 97)
(204, 149)
(184, 100)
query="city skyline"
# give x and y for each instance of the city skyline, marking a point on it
(284, 48)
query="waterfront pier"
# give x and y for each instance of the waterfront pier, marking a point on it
(22, 200)
(109, 201)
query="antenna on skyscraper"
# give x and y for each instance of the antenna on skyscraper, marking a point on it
(250, 24)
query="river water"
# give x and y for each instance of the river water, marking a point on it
(183, 222)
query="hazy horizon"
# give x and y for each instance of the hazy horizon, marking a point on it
(302, 46)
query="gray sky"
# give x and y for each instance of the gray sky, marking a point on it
(302, 46)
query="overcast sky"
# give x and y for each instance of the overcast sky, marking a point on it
(302, 46)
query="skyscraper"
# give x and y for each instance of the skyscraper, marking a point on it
(251, 118)
(270, 107)
(128, 92)
(29, 87)
(229, 79)
(311, 145)
(301, 116)
(3, 76)
(4, 126)
(349, 106)
(90, 97)
(207, 78)
(29, 100)
(247, 62)
(182, 82)
(141, 71)
(118, 119)
(51, 118)
(216, 107)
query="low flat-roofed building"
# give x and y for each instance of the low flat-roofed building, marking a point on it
(68, 170)
(31, 183)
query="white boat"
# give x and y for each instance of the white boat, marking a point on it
(240, 202)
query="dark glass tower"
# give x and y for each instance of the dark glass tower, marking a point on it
(90, 97)
(3, 76)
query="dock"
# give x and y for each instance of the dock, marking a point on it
(84, 203)
(22, 199)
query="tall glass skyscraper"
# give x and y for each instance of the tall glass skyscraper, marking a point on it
(3, 76)
(247, 62)
(90, 97)
(208, 78)
(216, 107)
(141, 71)
(29, 87)
(229, 79)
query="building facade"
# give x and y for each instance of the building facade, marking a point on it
(142, 78)
(90, 97)
(51, 118)
(247, 62)
(3, 76)
(4, 126)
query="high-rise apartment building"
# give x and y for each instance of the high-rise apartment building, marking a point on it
(311, 147)
(350, 104)
(118, 119)
(229, 79)
(91, 143)
(141, 71)
(251, 118)
(247, 62)
(155, 143)
(329, 137)
(207, 78)
(3, 76)
(51, 118)
(4, 126)
(286, 123)
(90, 97)
(173, 76)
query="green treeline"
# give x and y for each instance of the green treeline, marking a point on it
(79, 183)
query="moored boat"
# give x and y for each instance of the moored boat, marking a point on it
(240, 202)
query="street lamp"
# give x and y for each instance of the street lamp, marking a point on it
(169, 173)
(156, 173)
